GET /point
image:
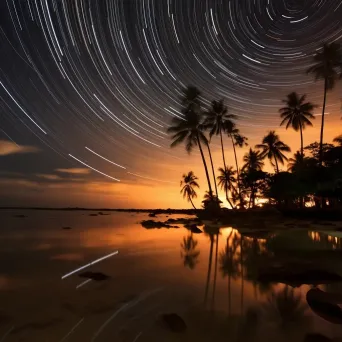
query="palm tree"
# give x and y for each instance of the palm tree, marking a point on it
(338, 140)
(226, 181)
(189, 128)
(297, 114)
(296, 162)
(189, 182)
(273, 148)
(237, 140)
(253, 160)
(326, 64)
(217, 121)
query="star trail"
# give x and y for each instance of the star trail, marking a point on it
(108, 74)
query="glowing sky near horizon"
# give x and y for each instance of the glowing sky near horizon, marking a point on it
(99, 81)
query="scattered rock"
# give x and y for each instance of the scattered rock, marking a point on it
(316, 338)
(92, 214)
(100, 213)
(194, 229)
(152, 215)
(97, 276)
(20, 216)
(173, 322)
(150, 224)
(66, 228)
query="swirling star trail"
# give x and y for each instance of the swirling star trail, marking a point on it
(107, 74)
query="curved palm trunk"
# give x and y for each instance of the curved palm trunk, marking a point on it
(209, 269)
(237, 174)
(224, 159)
(276, 162)
(322, 124)
(192, 202)
(212, 168)
(301, 140)
(205, 165)
(215, 274)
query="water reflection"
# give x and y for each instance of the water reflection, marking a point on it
(189, 253)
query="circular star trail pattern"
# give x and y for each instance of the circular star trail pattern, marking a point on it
(99, 81)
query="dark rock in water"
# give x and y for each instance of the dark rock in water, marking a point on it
(296, 278)
(97, 276)
(173, 322)
(152, 215)
(66, 227)
(150, 224)
(100, 213)
(20, 216)
(92, 214)
(316, 338)
(194, 229)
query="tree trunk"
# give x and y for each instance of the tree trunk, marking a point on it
(237, 174)
(192, 202)
(224, 159)
(276, 163)
(322, 124)
(301, 140)
(205, 166)
(212, 167)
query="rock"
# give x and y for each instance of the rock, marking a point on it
(173, 322)
(194, 229)
(152, 215)
(92, 214)
(316, 338)
(100, 213)
(150, 224)
(66, 227)
(20, 216)
(97, 276)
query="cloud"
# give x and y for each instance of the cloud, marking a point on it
(75, 171)
(48, 176)
(9, 147)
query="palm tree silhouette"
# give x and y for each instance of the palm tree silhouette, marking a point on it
(189, 182)
(189, 254)
(238, 140)
(326, 64)
(226, 181)
(189, 128)
(253, 160)
(217, 121)
(297, 114)
(273, 148)
(338, 140)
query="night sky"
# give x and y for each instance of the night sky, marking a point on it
(88, 89)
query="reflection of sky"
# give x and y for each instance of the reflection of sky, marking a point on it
(35, 252)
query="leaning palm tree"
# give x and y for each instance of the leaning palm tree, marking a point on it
(189, 183)
(297, 114)
(273, 148)
(188, 128)
(226, 181)
(253, 161)
(218, 121)
(327, 61)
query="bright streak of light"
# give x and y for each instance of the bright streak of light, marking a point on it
(72, 330)
(85, 282)
(90, 264)
(297, 21)
(118, 180)
(153, 179)
(109, 161)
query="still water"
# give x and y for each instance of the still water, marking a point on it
(208, 279)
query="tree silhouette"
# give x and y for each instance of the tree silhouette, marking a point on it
(188, 183)
(189, 254)
(253, 160)
(297, 114)
(189, 128)
(226, 181)
(273, 148)
(325, 67)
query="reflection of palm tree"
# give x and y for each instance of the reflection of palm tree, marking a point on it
(189, 252)
(189, 129)
(229, 265)
(297, 114)
(286, 306)
(189, 183)
(273, 148)
(327, 61)
(211, 236)
(215, 273)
